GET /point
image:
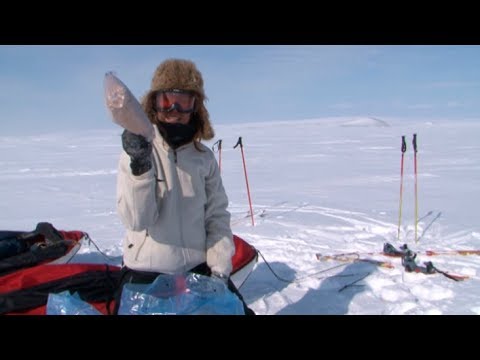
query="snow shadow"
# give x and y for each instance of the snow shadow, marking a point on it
(96, 258)
(262, 282)
(335, 293)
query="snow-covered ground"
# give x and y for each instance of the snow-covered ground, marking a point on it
(328, 186)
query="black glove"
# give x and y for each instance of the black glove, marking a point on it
(139, 150)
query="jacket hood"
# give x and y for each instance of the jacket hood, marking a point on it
(184, 75)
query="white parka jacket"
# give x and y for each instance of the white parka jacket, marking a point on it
(176, 213)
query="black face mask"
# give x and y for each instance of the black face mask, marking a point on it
(176, 134)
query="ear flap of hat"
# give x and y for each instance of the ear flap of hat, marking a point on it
(204, 127)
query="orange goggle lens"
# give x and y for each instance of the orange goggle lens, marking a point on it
(183, 102)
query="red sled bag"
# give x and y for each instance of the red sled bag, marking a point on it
(25, 292)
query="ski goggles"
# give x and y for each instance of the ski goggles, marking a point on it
(180, 100)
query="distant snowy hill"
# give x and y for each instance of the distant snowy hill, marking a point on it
(365, 121)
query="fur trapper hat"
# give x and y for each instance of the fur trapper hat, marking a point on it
(183, 75)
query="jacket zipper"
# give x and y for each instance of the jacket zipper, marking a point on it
(141, 245)
(175, 158)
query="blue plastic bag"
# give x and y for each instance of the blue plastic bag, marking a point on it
(210, 296)
(162, 297)
(186, 294)
(65, 303)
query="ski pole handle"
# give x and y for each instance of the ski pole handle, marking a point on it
(239, 142)
(218, 143)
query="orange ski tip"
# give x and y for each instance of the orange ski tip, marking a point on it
(387, 265)
(460, 277)
(469, 252)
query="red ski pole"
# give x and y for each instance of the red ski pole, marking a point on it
(414, 142)
(404, 148)
(219, 147)
(239, 142)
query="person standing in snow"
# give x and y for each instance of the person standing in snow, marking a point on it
(170, 195)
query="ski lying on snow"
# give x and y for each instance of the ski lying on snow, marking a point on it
(408, 260)
(391, 251)
(452, 252)
(353, 257)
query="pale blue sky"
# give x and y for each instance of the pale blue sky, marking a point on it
(47, 88)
